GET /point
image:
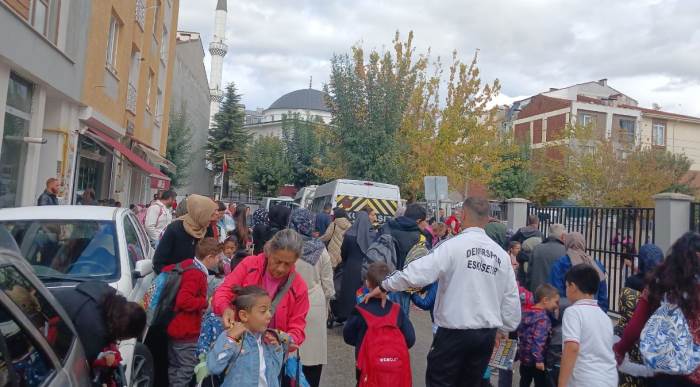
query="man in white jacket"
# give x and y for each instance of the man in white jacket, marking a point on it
(159, 215)
(477, 295)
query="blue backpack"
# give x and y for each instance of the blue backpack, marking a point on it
(666, 343)
(163, 293)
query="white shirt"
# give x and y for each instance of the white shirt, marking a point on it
(262, 379)
(158, 217)
(586, 324)
(476, 287)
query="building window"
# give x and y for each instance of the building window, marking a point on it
(149, 86)
(164, 45)
(112, 43)
(159, 107)
(586, 119)
(45, 16)
(13, 150)
(141, 13)
(156, 11)
(658, 134)
(627, 132)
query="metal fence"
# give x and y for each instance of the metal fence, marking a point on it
(695, 217)
(613, 236)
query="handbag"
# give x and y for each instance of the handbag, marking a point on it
(666, 343)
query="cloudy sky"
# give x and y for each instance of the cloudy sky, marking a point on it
(648, 49)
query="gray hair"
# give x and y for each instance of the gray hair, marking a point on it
(557, 230)
(286, 239)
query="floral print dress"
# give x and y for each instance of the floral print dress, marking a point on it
(628, 303)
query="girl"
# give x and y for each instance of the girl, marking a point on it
(250, 354)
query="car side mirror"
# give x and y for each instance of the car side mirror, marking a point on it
(143, 268)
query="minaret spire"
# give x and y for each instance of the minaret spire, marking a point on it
(218, 50)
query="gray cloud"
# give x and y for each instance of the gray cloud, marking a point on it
(649, 49)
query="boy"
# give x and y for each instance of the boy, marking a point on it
(533, 333)
(356, 326)
(587, 356)
(190, 304)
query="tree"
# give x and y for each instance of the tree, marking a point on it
(227, 137)
(302, 148)
(267, 168)
(179, 150)
(515, 179)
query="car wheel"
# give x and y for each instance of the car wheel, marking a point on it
(142, 370)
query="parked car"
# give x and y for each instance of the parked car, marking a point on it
(39, 345)
(66, 245)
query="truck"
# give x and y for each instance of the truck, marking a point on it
(354, 195)
(305, 197)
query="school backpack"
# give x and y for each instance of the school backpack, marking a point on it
(666, 343)
(159, 309)
(383, 359)
(382, 250)
(417, 251)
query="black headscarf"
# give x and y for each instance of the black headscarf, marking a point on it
(279, 217)
(302, 221)
(361, 230)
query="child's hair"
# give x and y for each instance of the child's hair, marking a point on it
(545, 290)
(124, 319)
(512, 244)
(376, 272)
(585, 277)
(207, 247)
(439, 228)
(246, 297)
(230, 239)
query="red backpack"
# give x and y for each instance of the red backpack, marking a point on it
(383, 359)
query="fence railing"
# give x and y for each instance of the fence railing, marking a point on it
(695, 217)
(613, 236)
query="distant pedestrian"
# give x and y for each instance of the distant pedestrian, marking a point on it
(88, 197)
(277, 220)
(323, 219)
(241, 230)
(48, 197)
(453, 222)
(545, 255)
(529, 237)
(469, 263)
(335, 233)
(440, 218)
(587, 358)
(159, 216)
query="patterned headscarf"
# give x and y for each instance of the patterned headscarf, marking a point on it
(302, 221)
(260, 217)
(575, 245)
(650, 256)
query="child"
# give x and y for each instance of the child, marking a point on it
(106, 364)
(250, 354)
(190, 303)
(587, 357)
(357, 325)
(533, 333)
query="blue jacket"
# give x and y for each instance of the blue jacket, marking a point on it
(425, 299)
(241, 362)
(558, 273)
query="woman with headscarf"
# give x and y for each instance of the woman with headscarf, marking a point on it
(181, 236)
(576, 255)
(650, 256)
(335, 233)
(353, 253)
(277, 220)
(315, 268)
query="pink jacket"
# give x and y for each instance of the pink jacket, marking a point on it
(290, 315)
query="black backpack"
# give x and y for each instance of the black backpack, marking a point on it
(166, 286)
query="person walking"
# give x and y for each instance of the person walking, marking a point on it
(277, 220)
(315, 268)
(159, 215)
(468, 264)
(453, 222)
(545, 255)
(241, 231)
(48, 197)
(323, 219)
(529, 237)
(575, 255)
(353, 252)
(335, 233)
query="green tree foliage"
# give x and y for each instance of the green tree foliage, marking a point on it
(267, 168)
(515, 179)
(227, 137)
(179, 150)
(303, 147)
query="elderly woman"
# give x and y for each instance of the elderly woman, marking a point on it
(315, 267)
(273, 270)
(575, 255)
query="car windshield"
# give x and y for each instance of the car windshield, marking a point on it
(65, 249)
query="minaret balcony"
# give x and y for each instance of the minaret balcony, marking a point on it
(218, 48)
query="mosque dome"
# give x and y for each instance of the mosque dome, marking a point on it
(304, 99)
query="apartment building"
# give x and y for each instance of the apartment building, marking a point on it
(42, 63)
(125, 93)
(542, 119)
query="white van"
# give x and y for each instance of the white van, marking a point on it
(278, 201)
(305, 197)
(354, 195)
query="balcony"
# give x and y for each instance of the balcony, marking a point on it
(131, 98)
(218, 48)
(141, 14)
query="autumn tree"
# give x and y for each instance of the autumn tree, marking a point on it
(267, 168)
(515, 178)
(227, 137)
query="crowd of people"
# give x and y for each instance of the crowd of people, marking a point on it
(256, 299)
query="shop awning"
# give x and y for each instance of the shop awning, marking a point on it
(158, 179)
(156, 158)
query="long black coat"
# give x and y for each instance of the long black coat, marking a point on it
(351, 266)
(175, 246)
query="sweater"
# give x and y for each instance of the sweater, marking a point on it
(175, 246)
(190, 303)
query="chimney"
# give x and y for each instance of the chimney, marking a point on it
(603, 82)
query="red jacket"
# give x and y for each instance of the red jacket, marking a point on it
(190, 304)
(290, 315)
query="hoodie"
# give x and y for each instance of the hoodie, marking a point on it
(533, 333)
(406, 233)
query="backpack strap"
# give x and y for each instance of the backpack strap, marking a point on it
(372, 320)
(281, 292)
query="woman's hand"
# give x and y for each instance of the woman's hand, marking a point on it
(228, 317)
